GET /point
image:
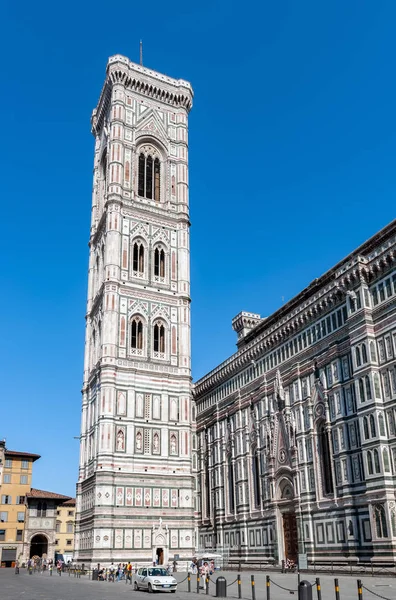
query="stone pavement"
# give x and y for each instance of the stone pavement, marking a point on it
(44, 587)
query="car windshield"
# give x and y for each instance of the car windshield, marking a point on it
(157, 572)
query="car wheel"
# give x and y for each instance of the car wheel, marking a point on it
(135, 587)
(149, 588)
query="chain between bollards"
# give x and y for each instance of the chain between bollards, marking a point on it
(360, 589)
(253, 587)
(318, 588)
(239, 586)
(267, 585)
(336, 589)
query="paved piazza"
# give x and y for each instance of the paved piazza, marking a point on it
(44, 587)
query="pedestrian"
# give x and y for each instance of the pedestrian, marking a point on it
(50, 566)
(129, 573)
(17, 567)
(204, 574)
(111, 572)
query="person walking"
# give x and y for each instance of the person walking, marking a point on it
(204, 574)
(129, 573)
(50, 567)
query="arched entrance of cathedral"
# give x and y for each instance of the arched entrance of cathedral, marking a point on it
(38, 546)
(288, 540)
(160, 544)
(160, 556)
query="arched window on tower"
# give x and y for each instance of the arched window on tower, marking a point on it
(256, 478)
(358, 358)
(381, 528)
(159, 339)
(366, 428)
(325, 457)
(370, 463)
(361, 390)
(137, 335)
(368, 387)
(364, 353)
(138, 259)
(372, 426)
(149, 177)
(231, 486)
(377, 466)
(159, 263)
(381, 424)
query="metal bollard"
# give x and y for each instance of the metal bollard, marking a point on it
(360, 589)
(189, 583)
(337, 589)
(207, 585)
(305, 590)
(253, 587)
(318, 588)
(198, 582)
(239, 586)
(267, 579)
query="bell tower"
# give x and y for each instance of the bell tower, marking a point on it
(135, 489)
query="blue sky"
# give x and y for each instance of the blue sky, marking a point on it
(292, 151)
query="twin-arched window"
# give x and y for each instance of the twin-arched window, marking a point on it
(138, 258)
(159, 262)
(137, 334)
(159, 338)
(149, 180)
(138, 337)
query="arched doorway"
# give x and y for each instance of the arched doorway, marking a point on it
(38, 545)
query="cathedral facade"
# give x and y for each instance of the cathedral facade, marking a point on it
(135, 487)
(296, 432)
(285, 450)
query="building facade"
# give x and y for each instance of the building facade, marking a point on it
(15, 482)
(65, 518)
(135, 487)
(40, 528)
(296, 431)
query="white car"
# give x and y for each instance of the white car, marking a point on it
(155, 579)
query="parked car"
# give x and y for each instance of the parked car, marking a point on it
(154, 579)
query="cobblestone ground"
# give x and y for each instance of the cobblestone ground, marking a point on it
(44, 587)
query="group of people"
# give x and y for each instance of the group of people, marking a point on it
(116, 573)
(202, 567)
(40, 565)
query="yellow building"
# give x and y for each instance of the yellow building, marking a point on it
(15, 482)
(65, 516)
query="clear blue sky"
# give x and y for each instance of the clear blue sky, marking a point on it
(292, 150)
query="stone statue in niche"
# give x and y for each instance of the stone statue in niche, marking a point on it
(139, 441)
(173, 444)
(156, 442)
(120, 441)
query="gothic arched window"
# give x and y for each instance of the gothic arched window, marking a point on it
(149, 178)
(231, 486)
(381, 424)
(159, 338)
(137, 334)
(159, 262)
(368, 387)
(372, 426)
(380, 521)
(325, 461)
(385, 459)
(366, 428)
(256, 478)
(138, 258)
(377, 466)
(361, 390)
(364, 353)
(358, 358)
(370, 463)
